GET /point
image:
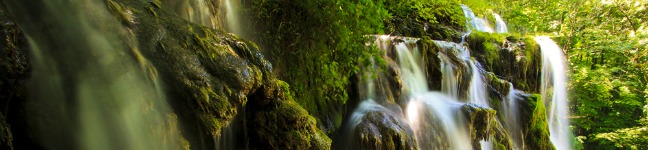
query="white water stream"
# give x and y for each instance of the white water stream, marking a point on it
(554, 91)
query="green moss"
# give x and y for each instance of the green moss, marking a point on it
(317, 46)
(537, 129)
(286, 126)
(431, 61)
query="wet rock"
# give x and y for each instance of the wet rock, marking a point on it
(16, 69)
(209, 75)
(483, 125)
(283, 124)
(535, 128)
(516, 59)
(384, 130)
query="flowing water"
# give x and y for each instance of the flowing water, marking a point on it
(231, 17)
(500, 25)
(94, 89)
(449, 83)
(437, 121)
(554, 91)
(511, 114)
(477, 90)
(474, 22)
(428, 111)
(203, 12)
(435, 117)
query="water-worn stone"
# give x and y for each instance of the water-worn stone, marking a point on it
(384, 130)
(15, 69)
(483, 125)
(211, 73)
(207, 74)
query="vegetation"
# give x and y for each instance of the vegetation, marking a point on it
(606, 44)
(605, 41)
(316, 47)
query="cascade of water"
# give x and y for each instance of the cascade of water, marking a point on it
(511, 112)
(437, 123)
(500, 25)
(435, 118)
(449, 84)
(203, 12)
(426, 108)
(474, 22)
(412, 74)
(231, 11)
(95, 85)
(477, 90)
(554, 91)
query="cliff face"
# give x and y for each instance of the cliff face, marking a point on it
(218, 84)
(209, 77)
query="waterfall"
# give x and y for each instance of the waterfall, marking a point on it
(426, 112)
(203, 12)
(477, 90)
(94, 90)
(231, 17)
(449, 83)
(474, 22)
(554, 91)
(426, 109)
(511, 114)
(500, 25)
(435, 118)
(412, 74)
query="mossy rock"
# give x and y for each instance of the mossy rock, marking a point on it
(384, 130)
(439, 20)
(283, 124)
(483, 125)
(210, 74)
(510, 57)
(16, 70)
(534, 123)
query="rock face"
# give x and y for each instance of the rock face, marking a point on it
(515, 59)
(15, 69)
(219, 73)
(209, 75)
(483, 125)
(384, 130)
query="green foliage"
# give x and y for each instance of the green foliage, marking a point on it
(605, 42)
(537, 134)
(441, 12)
(317, 45)
(628, 138)
(438, 12)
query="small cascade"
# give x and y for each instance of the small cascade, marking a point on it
(437, 122)
(449, 85)
(413, 76)
(500, 25)
(203, 12)
(435, 118)
(554, 91)
(231, 17)
(477, 90)
(474, 22)
(429, 112)
(511, 113)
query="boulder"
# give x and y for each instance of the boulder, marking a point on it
(384, 129)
